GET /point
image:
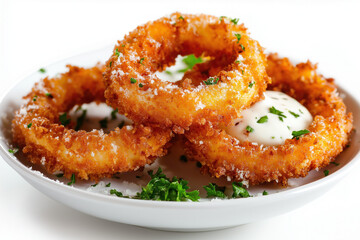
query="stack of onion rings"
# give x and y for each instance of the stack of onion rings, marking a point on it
(134, 89)
(94, 154)
(223, 155)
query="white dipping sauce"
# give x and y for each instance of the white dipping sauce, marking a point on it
(271, 121)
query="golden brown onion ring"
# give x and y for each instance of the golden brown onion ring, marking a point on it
(223, 155)
(133, 87)
(94, 154)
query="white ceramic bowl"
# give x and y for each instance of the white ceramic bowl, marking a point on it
(177, 216)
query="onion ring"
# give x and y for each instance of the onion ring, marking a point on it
(134, 89)
(223, 155)
(88, 155)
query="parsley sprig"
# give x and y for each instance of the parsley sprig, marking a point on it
(275, 111)
(213, 190)
(190, 61)
(211, 81)
(298, 134)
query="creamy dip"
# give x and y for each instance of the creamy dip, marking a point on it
(271, 121)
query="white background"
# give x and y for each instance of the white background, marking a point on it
(34, 34)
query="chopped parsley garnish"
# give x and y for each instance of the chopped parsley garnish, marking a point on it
(14, 150)
(298, 134)
(113, 113)
(64, 120)
(326, 172)
(242, 47)
(238, 37)
(108, 185)
(59, 175)
(242, 72)
(222, 18)
(164, 189)
(42, 70)
(198, 164)
(249, 129)
(273, 137)
(251, 84)
(49, 95)
(190, 61)
(29, 125)
(335, 163)
(288, 127)
(237, 61)
(273, 110)
(265, 193)
(239, 191)
(141, 85)
(80, 120)
(122, 45)
(263, 119)
(301, 111)
(110, 64)
(72, 179)
(116, 192)
(104, 123)
(213, 190)
(132, 80)
(94, 185)
(234, 20)
(141, 61)
(168, 72)
(211, 81)
(294, 114)
(181, 18)
(183, 158)
(121, 125)
(35, 98)
(117, 53)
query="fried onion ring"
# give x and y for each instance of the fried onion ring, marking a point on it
(223, 155)
(88, 155)
(133, 87)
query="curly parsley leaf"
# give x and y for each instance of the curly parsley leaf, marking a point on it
(263, 119)
(294, 114)
(239, 191)
(190, 61)
(275, 111)
(213, 190)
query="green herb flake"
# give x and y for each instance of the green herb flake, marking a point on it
(242, 47)
(211, 81)
(265, 193)
(183, 158)
(121, 124)
(221, 18)
(113, 113)
(35, 98)
(116, 192)
(42, 70)
(104, 123)
(251, 84)
(141, 85)
(162, 188)
(288, 127)
(301, 111)
(64, 120)
(263, 119)
(110, 64)
(49, 95)
(272, 137)
(335, 163)
(29, 125)
(168, 73)
(273, 110)
(80, 120)
(117, 53)
(108, 185)
(326, 172)
(14, 150)
(249, 129)
(181, 18)
(294, 114)
(122, 45)
(72, 180)
(142, 61)
(94, 185)
(237, 61)
(298, 134)
(238, 37)
(190, 61)
(239, 191)
(234, 20)
(132, 80)
(213, 190)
